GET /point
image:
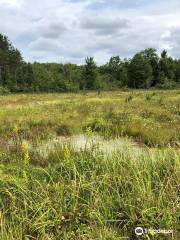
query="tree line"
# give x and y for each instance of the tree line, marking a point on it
(145, 70)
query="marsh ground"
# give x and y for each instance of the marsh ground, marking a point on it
(71, 192)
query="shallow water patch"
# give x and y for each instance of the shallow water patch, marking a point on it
(82, 142)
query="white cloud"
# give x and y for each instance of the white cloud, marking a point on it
(69, 30)
(11, 3)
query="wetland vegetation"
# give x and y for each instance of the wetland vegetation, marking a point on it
(112, 164)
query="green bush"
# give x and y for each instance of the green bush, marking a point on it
(4, 91)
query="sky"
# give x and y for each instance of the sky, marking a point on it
(69, 30)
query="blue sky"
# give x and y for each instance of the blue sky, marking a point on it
(123, 4)
(70, 30)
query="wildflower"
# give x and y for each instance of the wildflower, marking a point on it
(89, 132)
(25, 151)
(66, 152)
(26, 159)
(25, 176)
(15, 130)
(24, 147)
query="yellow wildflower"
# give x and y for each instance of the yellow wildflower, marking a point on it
(25, 176)
(89, 132)
(15, 130)
(25, 151)
(26, 159)
(66, 152)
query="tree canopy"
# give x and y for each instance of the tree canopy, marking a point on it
(146, 69)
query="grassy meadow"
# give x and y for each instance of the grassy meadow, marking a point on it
(84, 193)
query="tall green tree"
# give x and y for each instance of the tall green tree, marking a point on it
(140, 72)
(150, 54)
(177, 71)
(10, 62)
(90, 73)
(167, 68)
(146, 69)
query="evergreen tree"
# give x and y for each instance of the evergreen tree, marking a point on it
(150, 54)
(10, 62)
(140, 72)
(167, 68)
(90, 73)
(146, 69)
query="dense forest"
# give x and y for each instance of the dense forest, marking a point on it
(145, 70)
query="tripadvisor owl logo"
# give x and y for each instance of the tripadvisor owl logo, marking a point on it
(139, 231)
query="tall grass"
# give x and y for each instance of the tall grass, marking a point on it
(85, 195)
(151, 118)
(72, 194)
